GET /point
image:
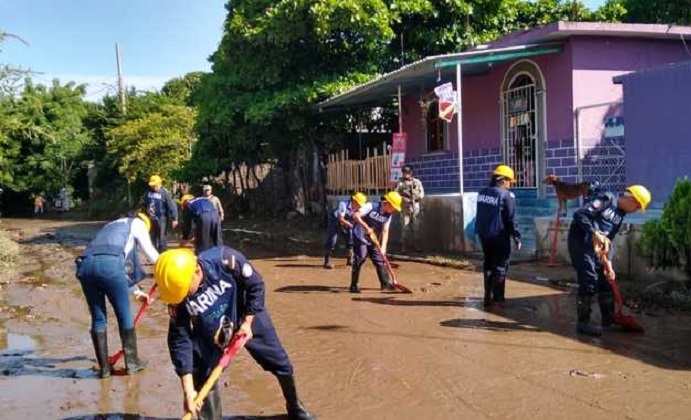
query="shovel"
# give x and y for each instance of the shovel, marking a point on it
(622, 314)
(398, 286)
(233, 348)
(112, 360)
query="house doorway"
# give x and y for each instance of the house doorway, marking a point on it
(522, 105)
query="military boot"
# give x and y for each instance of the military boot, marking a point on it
(354, 280)
(349, 257)
(383, 276)
(129, 344)
(489, 287)
(100, 341)
(211, 409)
(327, 261)
(296, 410)
(584, 325)
(606, 301)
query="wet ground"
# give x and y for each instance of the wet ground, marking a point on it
(435, 354)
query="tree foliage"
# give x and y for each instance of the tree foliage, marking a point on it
(156, 143)
(655, 11)
(667, 242)
(43, 136)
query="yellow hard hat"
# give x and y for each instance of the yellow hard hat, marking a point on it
(155, 180)
(506, 172)
(359, 198)
(174, 271)
(641, 194)
(185, 198)
(146, 220)
(395, 199)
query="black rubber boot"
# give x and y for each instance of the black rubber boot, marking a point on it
(489, 288)
(349, 258)
(100, 340)
(327, 261)
(584, 325)
(606, 301)
(296, 411)
(499, 289)
(383, 276)
(354, 280)
(129, 344)
(211, 409)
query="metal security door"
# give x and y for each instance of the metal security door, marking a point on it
(601, 146)
(519, 131)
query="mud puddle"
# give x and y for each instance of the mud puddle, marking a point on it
(435, 354)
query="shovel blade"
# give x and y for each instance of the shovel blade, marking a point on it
(628, 323)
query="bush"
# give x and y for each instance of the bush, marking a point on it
(667, 242)
(9, 253)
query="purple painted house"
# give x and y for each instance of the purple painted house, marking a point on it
(657, 103)
(542, 101)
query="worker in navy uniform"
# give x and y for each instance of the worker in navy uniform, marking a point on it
(496, 226)
(159, 206)
(594, 225)
(341, 220)
(109, 267)
(210, 297)
(373, 219)
(200, 215)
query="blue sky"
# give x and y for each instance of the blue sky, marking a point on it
(75, 39)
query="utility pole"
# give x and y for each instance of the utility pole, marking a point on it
(121, 82)
(123, 108)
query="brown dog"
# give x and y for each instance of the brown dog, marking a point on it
(566, 191)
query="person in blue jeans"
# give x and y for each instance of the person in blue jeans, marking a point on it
(109, 268)
(341, 220)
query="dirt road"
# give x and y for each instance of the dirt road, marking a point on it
(435, 354)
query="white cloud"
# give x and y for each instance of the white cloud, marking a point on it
(100, 85)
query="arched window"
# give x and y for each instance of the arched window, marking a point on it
(436, 129)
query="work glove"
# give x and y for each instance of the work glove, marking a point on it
(600, 241)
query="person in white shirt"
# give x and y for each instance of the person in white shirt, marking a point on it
(109, 267)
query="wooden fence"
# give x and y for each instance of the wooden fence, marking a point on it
(370, 176)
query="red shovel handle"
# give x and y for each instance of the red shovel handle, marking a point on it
(396, 284)
(234, 347)
(142, 310)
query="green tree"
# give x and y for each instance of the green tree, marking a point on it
(667, 242)
(184, 89)
(156, 143)
(656, 11)
(44, 131)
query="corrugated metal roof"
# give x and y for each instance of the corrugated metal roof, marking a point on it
(421, 75)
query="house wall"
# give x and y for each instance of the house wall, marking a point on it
(579, 76)
(482, 125)
(658, 109)
(596, 60)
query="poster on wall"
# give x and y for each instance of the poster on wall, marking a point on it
(446, 100)
(398, 149)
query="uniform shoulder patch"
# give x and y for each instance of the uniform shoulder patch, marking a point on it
(247, 270)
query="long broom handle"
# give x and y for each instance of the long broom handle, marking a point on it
(236, 344)
(142, 310)
(375, 241)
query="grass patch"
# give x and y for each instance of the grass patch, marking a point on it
(9, 253)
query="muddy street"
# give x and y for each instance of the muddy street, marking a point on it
(435, 354)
